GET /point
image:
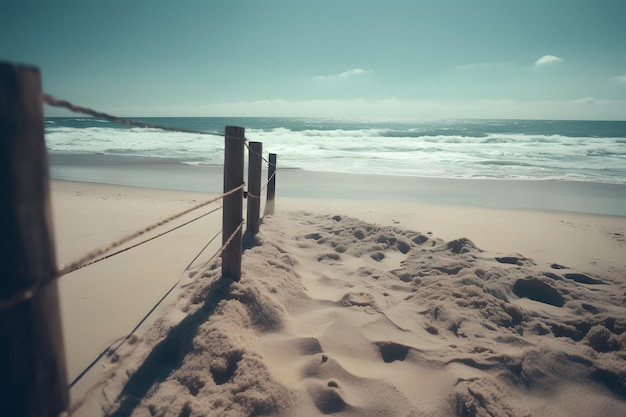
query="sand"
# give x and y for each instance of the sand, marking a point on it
(350, 307)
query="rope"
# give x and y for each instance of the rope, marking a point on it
(203, 249)
(255, 152)
(29, 292)
(26, 293)
(250, 195)
(230, 239)
(269, 180)
(97, 252)
(107, 350)
(145, 241)
(206, 265)
(52, 101)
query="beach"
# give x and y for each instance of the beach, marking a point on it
(359, 297)
(447, 237)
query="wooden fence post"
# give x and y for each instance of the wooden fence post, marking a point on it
(33, 379)
(271, 186)
(255, 156)
(233, 204)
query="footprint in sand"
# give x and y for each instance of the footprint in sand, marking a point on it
(333, 389)
(327, 397)
(391, 352)
(318, 374)
(314, 365)
(377, 256)
(328, 257)
(583, 279)
(538, 290)
(512, 260)
(360, 299)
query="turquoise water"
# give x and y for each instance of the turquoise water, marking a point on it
(587, 151)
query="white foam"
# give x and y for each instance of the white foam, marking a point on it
(375, 150)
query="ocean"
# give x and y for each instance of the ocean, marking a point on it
(587, 151)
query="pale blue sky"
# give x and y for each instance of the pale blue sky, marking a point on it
(408, 59)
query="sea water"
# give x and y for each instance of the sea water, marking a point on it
(587, 151)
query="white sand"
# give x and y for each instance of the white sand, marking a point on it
(361, 315)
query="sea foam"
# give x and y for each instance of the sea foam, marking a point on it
(464, 149)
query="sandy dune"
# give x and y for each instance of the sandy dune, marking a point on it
(335, 315)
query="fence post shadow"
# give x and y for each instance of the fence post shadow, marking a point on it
(33, 366)
(169, 354)
(249, 240)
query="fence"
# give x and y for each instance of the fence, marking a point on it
(33, 380)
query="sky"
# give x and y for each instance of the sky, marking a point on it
(365, 59)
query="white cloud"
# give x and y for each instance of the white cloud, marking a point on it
(346, 74)
(620, 79)
(548, 60)
(352, 72)
(585, 100)
(473, 66)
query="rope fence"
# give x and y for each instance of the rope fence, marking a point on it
(54, 102)
(109, 351)
(32, 266)
(80, 262)
(143, 241)
(271, 177)
(269, 180)
(252, 150)
(90, 258)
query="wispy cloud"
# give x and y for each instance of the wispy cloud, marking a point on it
(478, 66)
(355, 72)
(620, 79)
(352, 72)
(548, 60)
(473, 66)
(585, 100)
(504, 101)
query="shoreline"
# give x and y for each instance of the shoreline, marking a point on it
(565, 196)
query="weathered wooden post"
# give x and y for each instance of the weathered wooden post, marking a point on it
(233, 204)
(33, 379)
(255, 156)
(271, 186)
